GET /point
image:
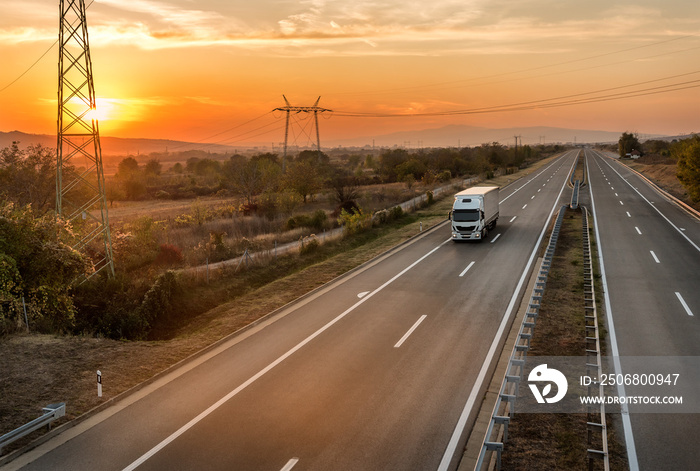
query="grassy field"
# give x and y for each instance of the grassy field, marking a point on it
(40, 369)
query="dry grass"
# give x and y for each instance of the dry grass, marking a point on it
(559, 441)
(39, 369)
(662, 173)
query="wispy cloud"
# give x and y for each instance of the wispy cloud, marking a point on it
(362, 27)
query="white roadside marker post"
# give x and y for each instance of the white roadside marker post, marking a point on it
(99, 383)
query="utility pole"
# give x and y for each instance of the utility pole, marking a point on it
(80, 181)
(315, 109)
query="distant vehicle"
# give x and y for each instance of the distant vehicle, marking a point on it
(474, 213)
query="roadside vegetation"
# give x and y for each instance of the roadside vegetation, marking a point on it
(191, 314)
(673, 165)
(203, 209)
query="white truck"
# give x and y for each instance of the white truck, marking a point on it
(474, 213)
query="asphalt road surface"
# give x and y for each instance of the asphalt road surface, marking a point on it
(651, 257)
(382, 369)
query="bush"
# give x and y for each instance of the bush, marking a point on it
(316, 221)
(158, 304)
(354, 222)
(169, 254)
(37, 263)
(444, 176)
(687, 152)
(309, 244)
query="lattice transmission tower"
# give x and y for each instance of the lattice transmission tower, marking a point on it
(315, 109)
(80, 182)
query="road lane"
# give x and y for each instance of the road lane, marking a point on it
(322, 382)
(647, 260)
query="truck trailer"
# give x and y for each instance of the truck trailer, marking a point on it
(474, 213)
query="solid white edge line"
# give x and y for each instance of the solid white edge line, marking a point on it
(626, 423)
(290, 464)
(685, 306)
(467, 269)
(496, 238)
(530, 180)
(410, 331)
(269, 367)
(656, 259)
(471, 400)
(652, 205)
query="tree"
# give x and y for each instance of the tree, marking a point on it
(37, 263)
(627, 143)
(28, 176)
(250, 178)
(128, 168)
(345, 188)
(304, 178)
(412, 167)
(153, 167)
(389, 161)
(131, 178)
(687, 152)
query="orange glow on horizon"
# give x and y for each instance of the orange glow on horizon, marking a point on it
(202, 72)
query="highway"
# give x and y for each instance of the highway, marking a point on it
(651, 257)
(382, 369)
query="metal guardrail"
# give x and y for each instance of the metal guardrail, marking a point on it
(51, 413)
(595, 420)
(505, 403)
(574, 195)
(573, 169)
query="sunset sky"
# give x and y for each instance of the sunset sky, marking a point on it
(201, 71)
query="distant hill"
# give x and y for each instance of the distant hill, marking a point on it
(462, 135)
(446, 136)
(116, 145)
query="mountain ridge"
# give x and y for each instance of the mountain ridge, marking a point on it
(454, 135)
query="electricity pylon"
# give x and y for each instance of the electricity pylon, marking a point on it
(80, 181)
(315, 109)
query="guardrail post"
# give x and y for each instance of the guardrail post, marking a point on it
(498, 448)
(51, 413)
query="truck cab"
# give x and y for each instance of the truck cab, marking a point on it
(474, 213)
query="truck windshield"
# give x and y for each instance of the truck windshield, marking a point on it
(465, 215)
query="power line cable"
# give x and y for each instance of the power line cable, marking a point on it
(549, 102)
(531, 69)
(201, 141)
(39, 59)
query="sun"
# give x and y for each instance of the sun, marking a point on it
(103, 110)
